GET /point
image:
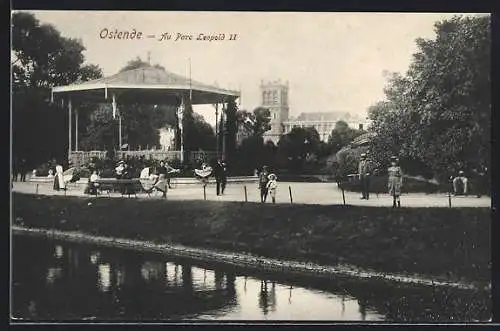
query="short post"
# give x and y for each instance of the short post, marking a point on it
(290, 192)
(37, 188)
(204, 192)
(449, 199)
(246, 197)
(343, 194)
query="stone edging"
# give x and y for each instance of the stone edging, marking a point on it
(241, 260)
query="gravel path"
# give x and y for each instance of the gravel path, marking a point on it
(302, 193)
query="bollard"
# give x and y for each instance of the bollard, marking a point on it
(204, 192)
(290, 192)
(449, 200)
(343, 195)
(37, 188)
(246, 197)
(65, 191)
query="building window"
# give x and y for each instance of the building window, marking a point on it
(361, 127)
(274, 115)
(275, 97)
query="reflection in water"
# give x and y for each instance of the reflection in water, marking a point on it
(53, 274)
(219, 280)
(267, 297)
(362, 310)
(104, 276)
(58, 252)
(94, 257)
(120, 276)
(152, 270)
(187, 278)
(106, 284)
(32, 309)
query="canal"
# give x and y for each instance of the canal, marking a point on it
(62, 281)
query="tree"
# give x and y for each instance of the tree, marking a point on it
(41, 59)
(298, 146)
(258, 121)
(231, 129)
(341, 136)
(139, 63)
(101, 132)
(439, 113)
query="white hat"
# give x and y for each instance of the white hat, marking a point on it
(271, 176)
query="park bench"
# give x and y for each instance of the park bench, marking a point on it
(124, 186)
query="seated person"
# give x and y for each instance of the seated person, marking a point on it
(127, 188)
(460, 181)
(51, 174)
(119, 170)
(93, 185)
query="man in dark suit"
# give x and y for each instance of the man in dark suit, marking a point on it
(364, 171)
(220, 176)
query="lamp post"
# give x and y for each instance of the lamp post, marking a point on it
(180, 115)
(217, 129)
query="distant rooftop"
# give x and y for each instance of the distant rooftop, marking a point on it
(326, 116)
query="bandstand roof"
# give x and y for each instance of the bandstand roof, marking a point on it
(146, 84)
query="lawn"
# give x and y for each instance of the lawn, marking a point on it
(447, 242)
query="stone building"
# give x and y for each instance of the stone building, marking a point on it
(275, 98)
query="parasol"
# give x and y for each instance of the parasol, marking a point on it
(145, 173)
(68, 174)
(205, 172)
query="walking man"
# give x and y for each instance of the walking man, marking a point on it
(263, 179)
(364, 172)
(220, 176)
(23, 169)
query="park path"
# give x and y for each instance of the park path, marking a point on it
(302, 193)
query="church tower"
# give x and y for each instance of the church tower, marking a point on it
(275, 98)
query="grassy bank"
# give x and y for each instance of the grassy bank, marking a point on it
(429, 241)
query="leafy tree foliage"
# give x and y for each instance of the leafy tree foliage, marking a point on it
(258, 121)
(439, 113)
(231, 130)
(138, 63)
(342, 135)
(41, 59)
(299, 147)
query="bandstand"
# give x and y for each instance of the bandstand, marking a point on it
(144, 85)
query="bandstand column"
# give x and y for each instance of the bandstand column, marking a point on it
(76, 129)
(69, 129)
(180, 115)
(217, 129)
(223, 119)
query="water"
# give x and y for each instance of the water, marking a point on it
(60, 281)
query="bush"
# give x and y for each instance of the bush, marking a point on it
(378, 184)
(43, 170)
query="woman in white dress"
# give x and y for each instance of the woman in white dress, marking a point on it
(59, 183)
(395, 181)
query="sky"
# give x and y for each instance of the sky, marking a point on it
(332, 61)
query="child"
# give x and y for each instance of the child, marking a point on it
(272, 185)
(395, 181)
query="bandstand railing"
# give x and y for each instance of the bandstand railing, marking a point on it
(79, 158)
